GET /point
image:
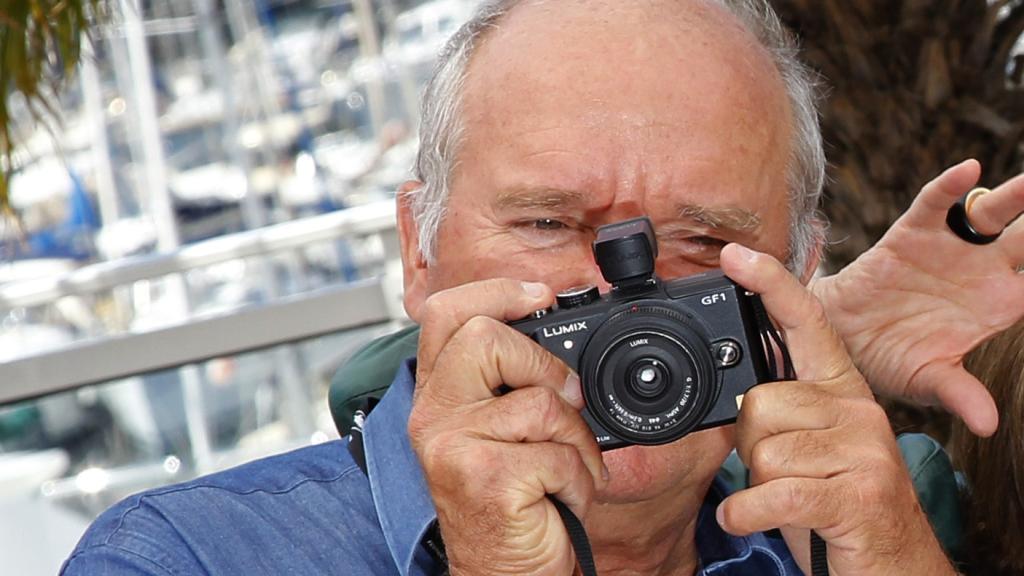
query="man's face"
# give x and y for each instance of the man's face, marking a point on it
(579, 114)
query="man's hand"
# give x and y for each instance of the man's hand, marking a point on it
(912, 306)
(491, 459)
(821, 454)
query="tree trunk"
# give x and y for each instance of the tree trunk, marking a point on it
(914, 86)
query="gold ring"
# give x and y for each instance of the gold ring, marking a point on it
(972, 196)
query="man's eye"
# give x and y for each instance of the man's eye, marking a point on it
(548, 224)
(707, 241)
(695, 247)
(548, 232)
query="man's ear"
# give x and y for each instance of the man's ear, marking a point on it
(414, 265)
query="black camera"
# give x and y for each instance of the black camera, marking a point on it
(657, 359)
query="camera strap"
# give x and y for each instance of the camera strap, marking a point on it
(772, 340)
(577, 536)
(432, 539)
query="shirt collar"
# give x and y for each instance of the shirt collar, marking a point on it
(400, 492)
(406, 511)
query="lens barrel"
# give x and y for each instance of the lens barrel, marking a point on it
(648, 375)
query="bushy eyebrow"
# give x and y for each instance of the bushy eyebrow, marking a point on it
(539, 198)
(720, 218)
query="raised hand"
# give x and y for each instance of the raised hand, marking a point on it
(491, 459)
(820, 450)
(913, 305)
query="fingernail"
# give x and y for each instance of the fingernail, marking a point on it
(533, 289)
(605, 474)
(720, 516)
(746, 253)
(572, 391)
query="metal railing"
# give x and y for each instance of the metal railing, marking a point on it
(193, 340)
(377, 218)
(71, 489)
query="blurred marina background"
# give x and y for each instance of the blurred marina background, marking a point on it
(208, 232)
(203, 237)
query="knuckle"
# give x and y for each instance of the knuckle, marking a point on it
(545, 404)
(816, 315)
(475, 465)
(435, 307)
(425, 416)
(873, 490)
(417, 426)
(764, 460)
(755, 402)
(435, 451)
(544, 361)
(574, 473)
(571, 461)
(793, 495)
(477, 340)
(479, 329)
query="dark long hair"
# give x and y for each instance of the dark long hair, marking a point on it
(995, 466)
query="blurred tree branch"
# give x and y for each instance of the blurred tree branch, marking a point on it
(40, 47)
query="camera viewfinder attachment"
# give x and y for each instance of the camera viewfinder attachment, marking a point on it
(625, 252)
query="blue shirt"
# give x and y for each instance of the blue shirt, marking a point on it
(313, 511)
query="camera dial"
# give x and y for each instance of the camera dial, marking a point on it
(577, 296)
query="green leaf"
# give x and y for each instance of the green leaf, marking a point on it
(34, 34)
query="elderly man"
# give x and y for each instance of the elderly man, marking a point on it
(546, 120)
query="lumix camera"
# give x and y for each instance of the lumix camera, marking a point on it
(657, 359)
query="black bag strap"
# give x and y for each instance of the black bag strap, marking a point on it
(355, 445)
(432, 539)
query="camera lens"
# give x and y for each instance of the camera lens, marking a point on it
(648, 378)
(648, 374)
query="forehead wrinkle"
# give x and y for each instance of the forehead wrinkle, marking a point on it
(728, 217)
(544, 197)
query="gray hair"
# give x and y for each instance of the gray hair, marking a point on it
(441, 127)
